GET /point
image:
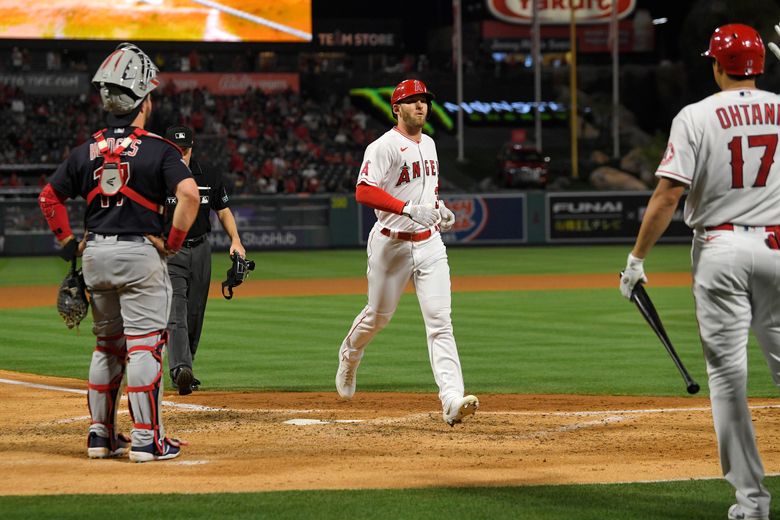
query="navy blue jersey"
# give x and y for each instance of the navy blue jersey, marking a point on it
(153, 167)
(213, 195)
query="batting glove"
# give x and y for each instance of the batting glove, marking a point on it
(631, 275)
(447, 217)
(424, 214)
(773, 46)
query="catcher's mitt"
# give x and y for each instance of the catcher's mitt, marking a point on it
(72, 303)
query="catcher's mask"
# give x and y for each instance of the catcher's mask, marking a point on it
(237, 273)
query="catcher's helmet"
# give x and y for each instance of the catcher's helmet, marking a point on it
(408, 88)
(124, 78)
(738, 48)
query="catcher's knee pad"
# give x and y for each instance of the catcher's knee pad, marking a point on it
(105, 379)
(144, 387)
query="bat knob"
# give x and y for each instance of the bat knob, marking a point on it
(693, 388)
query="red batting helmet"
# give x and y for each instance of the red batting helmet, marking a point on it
(408, 88)
(738, 48)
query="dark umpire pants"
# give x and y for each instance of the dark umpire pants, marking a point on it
(190, 272)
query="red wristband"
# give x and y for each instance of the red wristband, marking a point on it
(175, 238)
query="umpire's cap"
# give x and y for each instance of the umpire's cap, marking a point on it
(181, 135)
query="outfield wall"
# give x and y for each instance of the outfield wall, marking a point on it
(330, 221)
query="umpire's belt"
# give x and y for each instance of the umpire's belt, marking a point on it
(119, 238)
(192, 242)
(403, 235)
(738, 227)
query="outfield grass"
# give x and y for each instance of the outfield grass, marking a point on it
(340, 263)
(558, 341)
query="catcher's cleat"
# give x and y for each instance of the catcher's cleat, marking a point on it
(460, 408)
(149, 453)
(100, 447)
(183, 379)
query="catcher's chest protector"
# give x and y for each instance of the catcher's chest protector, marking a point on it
(113, 177)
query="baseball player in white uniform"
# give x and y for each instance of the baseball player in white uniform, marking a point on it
(399, 178)
(724, 150)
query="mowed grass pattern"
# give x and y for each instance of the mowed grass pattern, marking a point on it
(555, 341)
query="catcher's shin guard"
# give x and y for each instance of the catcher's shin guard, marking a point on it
(105, 380)
(144, 388)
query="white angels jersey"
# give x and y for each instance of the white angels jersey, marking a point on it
(405, 169)
(725, 148)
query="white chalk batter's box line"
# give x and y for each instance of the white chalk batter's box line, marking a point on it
(201, 408)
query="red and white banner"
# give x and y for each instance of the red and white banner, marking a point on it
(559, 11)
(232, 84)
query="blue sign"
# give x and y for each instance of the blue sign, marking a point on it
(479, 220)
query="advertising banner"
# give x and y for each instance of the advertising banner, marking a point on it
(479, 220)
(559, 11)
(50, 84)
(232, 84)
(601, 217)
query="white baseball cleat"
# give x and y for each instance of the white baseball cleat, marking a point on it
(737, 513)
(460, 408)
(346, 376)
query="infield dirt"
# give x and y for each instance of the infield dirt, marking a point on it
(282, 441)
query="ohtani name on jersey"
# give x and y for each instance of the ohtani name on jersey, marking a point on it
(131, 150)
(748, 114)
(431, 168)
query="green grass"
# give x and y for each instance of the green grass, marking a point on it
(681, 500)
(559, 341)
(342, 263)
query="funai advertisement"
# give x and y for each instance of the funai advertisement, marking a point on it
(605, 217)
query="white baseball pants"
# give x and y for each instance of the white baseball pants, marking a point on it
(391, 264)
(736, 284)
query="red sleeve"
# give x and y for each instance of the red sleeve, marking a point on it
(55, 212)
(378, 198)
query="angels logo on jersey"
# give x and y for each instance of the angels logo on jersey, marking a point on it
(404, 176)
(364, 171)
(668, 154)
(431, 167)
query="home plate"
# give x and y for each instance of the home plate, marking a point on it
(308, 422)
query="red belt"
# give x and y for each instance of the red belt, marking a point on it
(403, 235)
(730, 227)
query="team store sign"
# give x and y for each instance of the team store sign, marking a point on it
(559, 11)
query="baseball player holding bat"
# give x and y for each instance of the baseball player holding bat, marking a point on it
(399, 178)
(723, 149)
(123, 173)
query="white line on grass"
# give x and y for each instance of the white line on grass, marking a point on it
(183, 406)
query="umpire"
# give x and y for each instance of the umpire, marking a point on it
(190, 268)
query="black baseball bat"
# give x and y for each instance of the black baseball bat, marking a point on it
(645, 305)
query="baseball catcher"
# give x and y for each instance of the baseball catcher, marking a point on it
(72, 302)
(236, 275)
